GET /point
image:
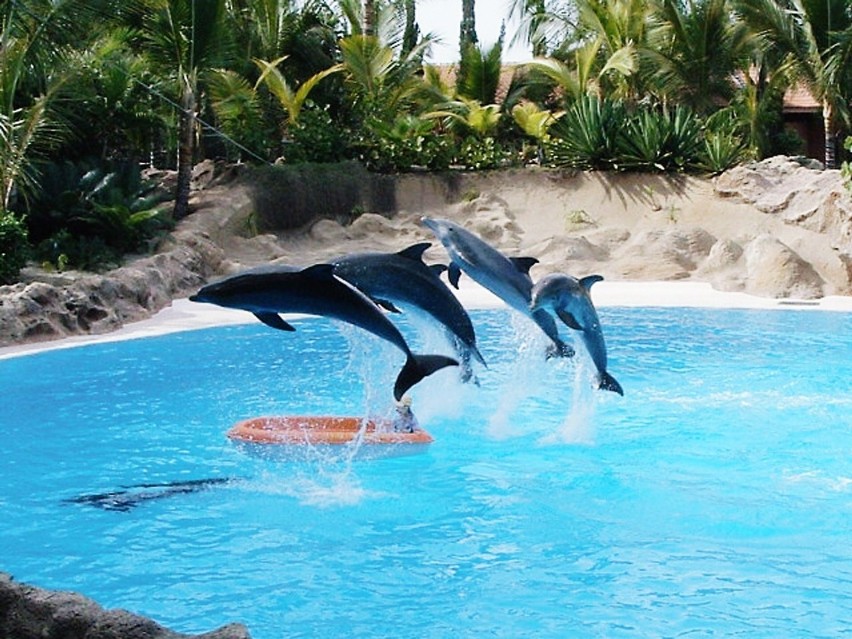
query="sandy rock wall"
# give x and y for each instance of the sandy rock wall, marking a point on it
(777, 228)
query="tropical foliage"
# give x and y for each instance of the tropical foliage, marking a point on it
(648, 85)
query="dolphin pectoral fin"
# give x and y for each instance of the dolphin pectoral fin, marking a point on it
(385, 304)
(415, 251)
(274, 320)
(587, 281)
(453, 274)
(523, 264)
(608, 382)
(569, 319)
(416, 368)
(559, 349)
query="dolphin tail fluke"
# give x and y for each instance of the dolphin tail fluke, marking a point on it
(416, 368)
(608, 382)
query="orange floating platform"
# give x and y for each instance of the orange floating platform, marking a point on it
(294, 433)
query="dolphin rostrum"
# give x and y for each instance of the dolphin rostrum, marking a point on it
(315, 290)
(570, 299)
(507, 278)
(404, 278)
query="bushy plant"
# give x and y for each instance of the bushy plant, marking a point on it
(14, 247)
(94, 212)
(482, 153)
(316, 137)
(405, 143)
(846, 167)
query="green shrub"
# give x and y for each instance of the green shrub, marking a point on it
(479, 154)
(14, 247)
(293, 196)
(846, 167)
(315, 138)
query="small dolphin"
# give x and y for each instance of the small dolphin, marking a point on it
(403, 278)
(270, 290)
(507, 278)
(570, 299)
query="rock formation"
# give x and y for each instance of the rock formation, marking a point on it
(27, 612)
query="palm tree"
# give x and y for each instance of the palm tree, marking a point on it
(696, 49)
(290, 100)
(815, 38)
(186, 40)
(37, 47)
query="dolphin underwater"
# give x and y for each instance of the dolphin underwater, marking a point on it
(315, 290)
(404, 278)
(571, 300)
(507, 278)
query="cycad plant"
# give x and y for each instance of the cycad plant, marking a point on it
(659, 140)
(586, 137)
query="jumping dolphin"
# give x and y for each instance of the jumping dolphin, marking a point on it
(404, 278)
(507, 278)
(570, 299)
(270, 290)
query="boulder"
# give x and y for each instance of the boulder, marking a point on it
(775, 270)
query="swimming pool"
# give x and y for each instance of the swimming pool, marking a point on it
(713, 499)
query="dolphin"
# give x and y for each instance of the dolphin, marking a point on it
(571, 300)
(129, 497)
(508, 278)
(315, 290)
(404, 278)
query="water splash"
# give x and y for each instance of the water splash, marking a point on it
(527, 373)
(578, 426)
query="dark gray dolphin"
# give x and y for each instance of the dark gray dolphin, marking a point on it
(571, 300)
(403, 278)
(129, 497)
(507, 278)
(270, 290)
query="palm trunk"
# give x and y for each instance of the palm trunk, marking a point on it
(370, 17)
(828, 126)
(186, 151)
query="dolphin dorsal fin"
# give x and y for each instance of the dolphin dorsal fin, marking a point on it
(586, 282)
(319, 271)
(385, 304)
(453, 274)
(524, 264)
(415, 251)
(437, 269)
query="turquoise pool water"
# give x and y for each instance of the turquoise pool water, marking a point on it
(713, 499)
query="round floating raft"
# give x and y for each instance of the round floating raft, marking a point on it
(289, 434)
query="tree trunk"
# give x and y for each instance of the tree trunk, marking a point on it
(369, 17)
(186, 150)
(828, 126)
(467, 33)
(412, 31)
